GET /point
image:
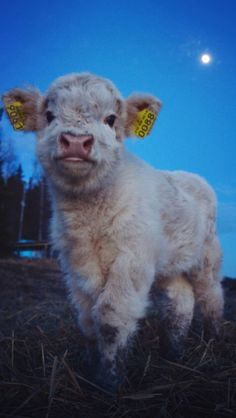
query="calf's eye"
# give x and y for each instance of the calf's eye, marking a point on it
(110, 120)
(50, 116)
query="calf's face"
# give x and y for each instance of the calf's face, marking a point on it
(80, 122)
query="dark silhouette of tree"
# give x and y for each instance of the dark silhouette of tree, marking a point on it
(8, 158)
(12, 191)
(24, 209)
(4, 233)
(31, 214)
(4, 228)
(37, 212)
(44, 212)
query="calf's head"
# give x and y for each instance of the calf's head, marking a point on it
(80, 123)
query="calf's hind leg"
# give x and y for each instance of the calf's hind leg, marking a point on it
(209, 296)
(175, 305)
(208, 290)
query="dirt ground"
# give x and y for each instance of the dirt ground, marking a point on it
(43, 360)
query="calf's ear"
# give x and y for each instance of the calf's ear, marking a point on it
(135, 105)
(22, 108)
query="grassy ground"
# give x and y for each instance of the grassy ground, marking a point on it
(43, 360)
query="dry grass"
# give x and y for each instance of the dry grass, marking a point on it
(43, 359)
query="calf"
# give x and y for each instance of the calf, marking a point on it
(120, 226)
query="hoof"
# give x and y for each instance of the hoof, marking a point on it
(172, 354)
(108, 378)
(172, 349)
(212, 331)
(111, 384)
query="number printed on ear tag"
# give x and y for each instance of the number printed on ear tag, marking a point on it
(16, 115)
(144, 122)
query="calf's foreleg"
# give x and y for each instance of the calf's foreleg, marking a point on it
(119, 307)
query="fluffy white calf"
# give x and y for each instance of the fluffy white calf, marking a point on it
(121, 227)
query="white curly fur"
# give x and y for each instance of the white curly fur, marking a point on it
(121, 227)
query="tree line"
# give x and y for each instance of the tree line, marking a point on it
(24, 207)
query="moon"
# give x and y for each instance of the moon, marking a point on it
(206, 59)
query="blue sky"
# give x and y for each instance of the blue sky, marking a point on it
(151, 46)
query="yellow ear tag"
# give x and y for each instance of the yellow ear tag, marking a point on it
(144, 122)
(16, 115)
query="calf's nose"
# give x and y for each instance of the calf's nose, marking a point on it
(76, 145)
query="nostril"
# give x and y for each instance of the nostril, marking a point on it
(64, 142)
(87, 144)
